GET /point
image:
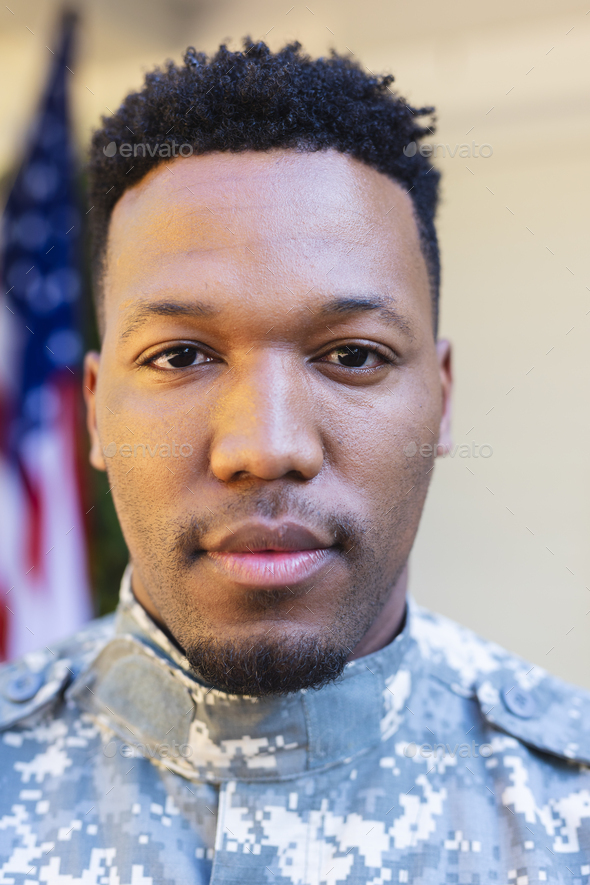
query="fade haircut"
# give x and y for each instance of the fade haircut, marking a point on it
(256, 100)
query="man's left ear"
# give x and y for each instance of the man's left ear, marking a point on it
(445, 368)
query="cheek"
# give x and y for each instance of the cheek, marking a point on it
(382, 457)
(388, 474)
(152, 449)
(370, 440)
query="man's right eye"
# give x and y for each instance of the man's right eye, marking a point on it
(181, 357)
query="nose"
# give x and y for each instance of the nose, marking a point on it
(265, 424)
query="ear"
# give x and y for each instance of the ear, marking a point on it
(91, 367)
(445, 368)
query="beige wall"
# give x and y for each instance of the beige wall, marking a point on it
(503, 543)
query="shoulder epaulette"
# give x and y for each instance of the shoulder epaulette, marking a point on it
(518, 697)
(34, 682)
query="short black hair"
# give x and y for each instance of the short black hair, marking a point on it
(257, 100)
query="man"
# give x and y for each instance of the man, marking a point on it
(267, 402)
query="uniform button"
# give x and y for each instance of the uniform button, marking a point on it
(23, 687)
(519, 702)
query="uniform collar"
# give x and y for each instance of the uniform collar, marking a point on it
(140, 686)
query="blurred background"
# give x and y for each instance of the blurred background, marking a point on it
(503, 545)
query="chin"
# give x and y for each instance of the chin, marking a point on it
(264, 666)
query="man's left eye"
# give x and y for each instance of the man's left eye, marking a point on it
(180, 358)
(352, 356)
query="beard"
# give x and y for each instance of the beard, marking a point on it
(168, 554)
(282, 663)
(270, 668)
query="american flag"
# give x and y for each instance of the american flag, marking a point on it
(44, 587)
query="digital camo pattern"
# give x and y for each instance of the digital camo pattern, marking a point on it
(439, 759)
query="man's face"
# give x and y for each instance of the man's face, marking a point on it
(268, 361)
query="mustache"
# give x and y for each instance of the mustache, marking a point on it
(346, 529)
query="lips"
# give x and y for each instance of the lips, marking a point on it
(253, 537)
(257, 555)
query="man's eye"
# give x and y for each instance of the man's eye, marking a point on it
(351, 356)
(180, 358)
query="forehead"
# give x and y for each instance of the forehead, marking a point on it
(221, 218)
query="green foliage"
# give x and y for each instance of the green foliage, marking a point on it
(107, 551)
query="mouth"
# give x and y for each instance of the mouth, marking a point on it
(258, 555)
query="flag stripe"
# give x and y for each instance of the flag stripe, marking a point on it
(44, 587)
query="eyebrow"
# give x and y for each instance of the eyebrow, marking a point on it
(342, 308)
(145, 311)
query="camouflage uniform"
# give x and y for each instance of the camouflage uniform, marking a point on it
(439, 759)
